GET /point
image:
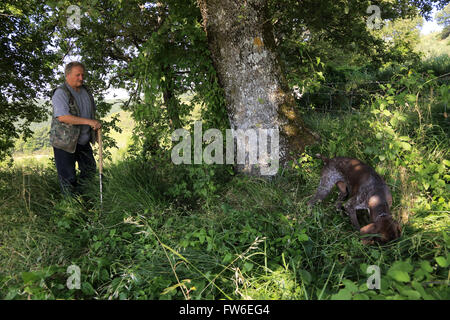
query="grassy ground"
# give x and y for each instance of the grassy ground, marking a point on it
(199, 232)
(202, 232)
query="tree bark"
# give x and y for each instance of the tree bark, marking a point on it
(241, 41)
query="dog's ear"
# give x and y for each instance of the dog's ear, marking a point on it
(371, 228)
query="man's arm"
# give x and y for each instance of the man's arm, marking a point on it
(60, 102)
(70, 119)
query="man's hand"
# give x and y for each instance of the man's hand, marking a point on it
(95, 124)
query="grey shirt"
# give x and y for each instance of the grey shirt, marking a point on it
(60, 102)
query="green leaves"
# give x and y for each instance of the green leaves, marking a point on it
(443, 262)
(403, 135)
(351, 291)
(343, 294)
(27, 65)
(403, 280)
(426, 267)
(399, 275)
(411, 98)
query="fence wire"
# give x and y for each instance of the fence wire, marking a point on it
(333, 97)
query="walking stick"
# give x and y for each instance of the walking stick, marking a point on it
(100, 165)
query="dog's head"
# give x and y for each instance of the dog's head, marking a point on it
(384, 229)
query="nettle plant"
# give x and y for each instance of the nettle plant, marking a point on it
(403, 280)
(402, 121)
(404, 137)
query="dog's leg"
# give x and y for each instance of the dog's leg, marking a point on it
(343, 193)
(326, 184)
(350, 208)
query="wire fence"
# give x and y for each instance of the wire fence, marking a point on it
(344, 97)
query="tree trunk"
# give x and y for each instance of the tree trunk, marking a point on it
(242, 45)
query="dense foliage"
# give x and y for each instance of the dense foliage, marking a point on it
(26, 68)
(158, 51)
(201, 231)
(196, 232)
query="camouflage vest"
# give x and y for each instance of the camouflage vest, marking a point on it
(64, 135)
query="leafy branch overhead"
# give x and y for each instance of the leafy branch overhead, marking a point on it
(158, 51)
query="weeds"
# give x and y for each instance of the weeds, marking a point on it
(200, 232)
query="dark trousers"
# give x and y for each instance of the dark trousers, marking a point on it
(65, 165)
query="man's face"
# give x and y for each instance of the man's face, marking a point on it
(75, 77)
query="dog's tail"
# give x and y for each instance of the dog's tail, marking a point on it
(325, 160)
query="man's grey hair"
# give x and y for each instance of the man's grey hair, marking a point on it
(72, 64)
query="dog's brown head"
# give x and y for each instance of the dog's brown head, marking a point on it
(386, 228)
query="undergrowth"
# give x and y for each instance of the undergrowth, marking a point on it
(202, 232)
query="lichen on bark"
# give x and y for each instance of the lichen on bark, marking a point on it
(242, 46)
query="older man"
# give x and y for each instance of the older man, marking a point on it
(73, 128)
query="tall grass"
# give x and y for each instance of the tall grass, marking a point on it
(201, 232)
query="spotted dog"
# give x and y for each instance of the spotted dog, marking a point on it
(365, 189)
